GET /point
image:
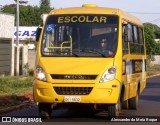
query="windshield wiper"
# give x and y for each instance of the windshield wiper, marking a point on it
(70, 53)
(94, 51)
(64, 53)
(76, 55)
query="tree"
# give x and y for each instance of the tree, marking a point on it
(45, 3)
(152, 32)
(152, 47)
(149, 39)
(11, 9)
(157, 48)
(29, 15)
(45, 6)
(154, 28)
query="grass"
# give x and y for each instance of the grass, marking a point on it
(154, 67)
(150, 73)
(153, 70)
(15, 85)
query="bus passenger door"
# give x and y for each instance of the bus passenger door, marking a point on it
(126, 58)
(131, 83)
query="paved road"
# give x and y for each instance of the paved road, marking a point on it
(149, 105)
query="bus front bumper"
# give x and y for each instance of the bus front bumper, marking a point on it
(102, 93)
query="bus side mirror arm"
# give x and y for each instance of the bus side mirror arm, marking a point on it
(125, 23)
(38, 32)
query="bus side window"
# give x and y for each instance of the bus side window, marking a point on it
(135, 31)
(130, 33)
(125, 39)
(141, 42)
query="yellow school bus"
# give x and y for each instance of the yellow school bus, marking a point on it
(72, 70)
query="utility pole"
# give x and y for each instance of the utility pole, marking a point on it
(17, 33)
(17, 39)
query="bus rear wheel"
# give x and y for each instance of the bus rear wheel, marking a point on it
(45, 110)
(133, 102)
(125, 104)
(114, 110)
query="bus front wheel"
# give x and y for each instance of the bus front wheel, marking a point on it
(45, 110)
(114, 110)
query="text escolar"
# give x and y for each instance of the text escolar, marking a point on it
(81, 19)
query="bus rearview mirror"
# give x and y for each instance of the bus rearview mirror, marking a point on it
(38, 32)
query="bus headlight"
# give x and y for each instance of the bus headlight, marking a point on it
(40, 74)
(109, 74)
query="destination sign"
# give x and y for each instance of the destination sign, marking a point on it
(81, 19)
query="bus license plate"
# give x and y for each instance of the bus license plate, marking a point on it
(72, 99)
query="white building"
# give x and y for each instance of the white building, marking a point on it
(6, 44)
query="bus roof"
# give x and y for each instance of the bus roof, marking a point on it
(93, 9)
(130, 18)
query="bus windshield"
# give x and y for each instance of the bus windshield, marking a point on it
(80, 36)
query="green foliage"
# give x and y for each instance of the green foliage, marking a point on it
(29, 71)
(154, 28)
(151, 32)
(45, 3)
(45, 6)
(149, 38)
(11, 9)
(28, 16)
(26, 66)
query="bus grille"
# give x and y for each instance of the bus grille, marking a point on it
(74, 77)
(73, 90)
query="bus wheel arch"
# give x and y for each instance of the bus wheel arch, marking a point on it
(124, 103)
(115, 109)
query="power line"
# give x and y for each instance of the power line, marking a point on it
(155, 20)
(143, 13)
(149, 13)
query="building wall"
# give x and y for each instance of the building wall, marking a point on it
(6, 44)
(5, 56)
(31, 58)
(156, 61)
(6, 25)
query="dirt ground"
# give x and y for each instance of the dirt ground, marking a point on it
(153, 72)
(9, 103)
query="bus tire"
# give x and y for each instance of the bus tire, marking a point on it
(114, 110)
(133, 102)
(125, 104)
(45, 110)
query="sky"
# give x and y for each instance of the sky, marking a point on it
(146, 10)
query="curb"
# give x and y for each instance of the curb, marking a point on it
(20, 106)
(152, 76)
